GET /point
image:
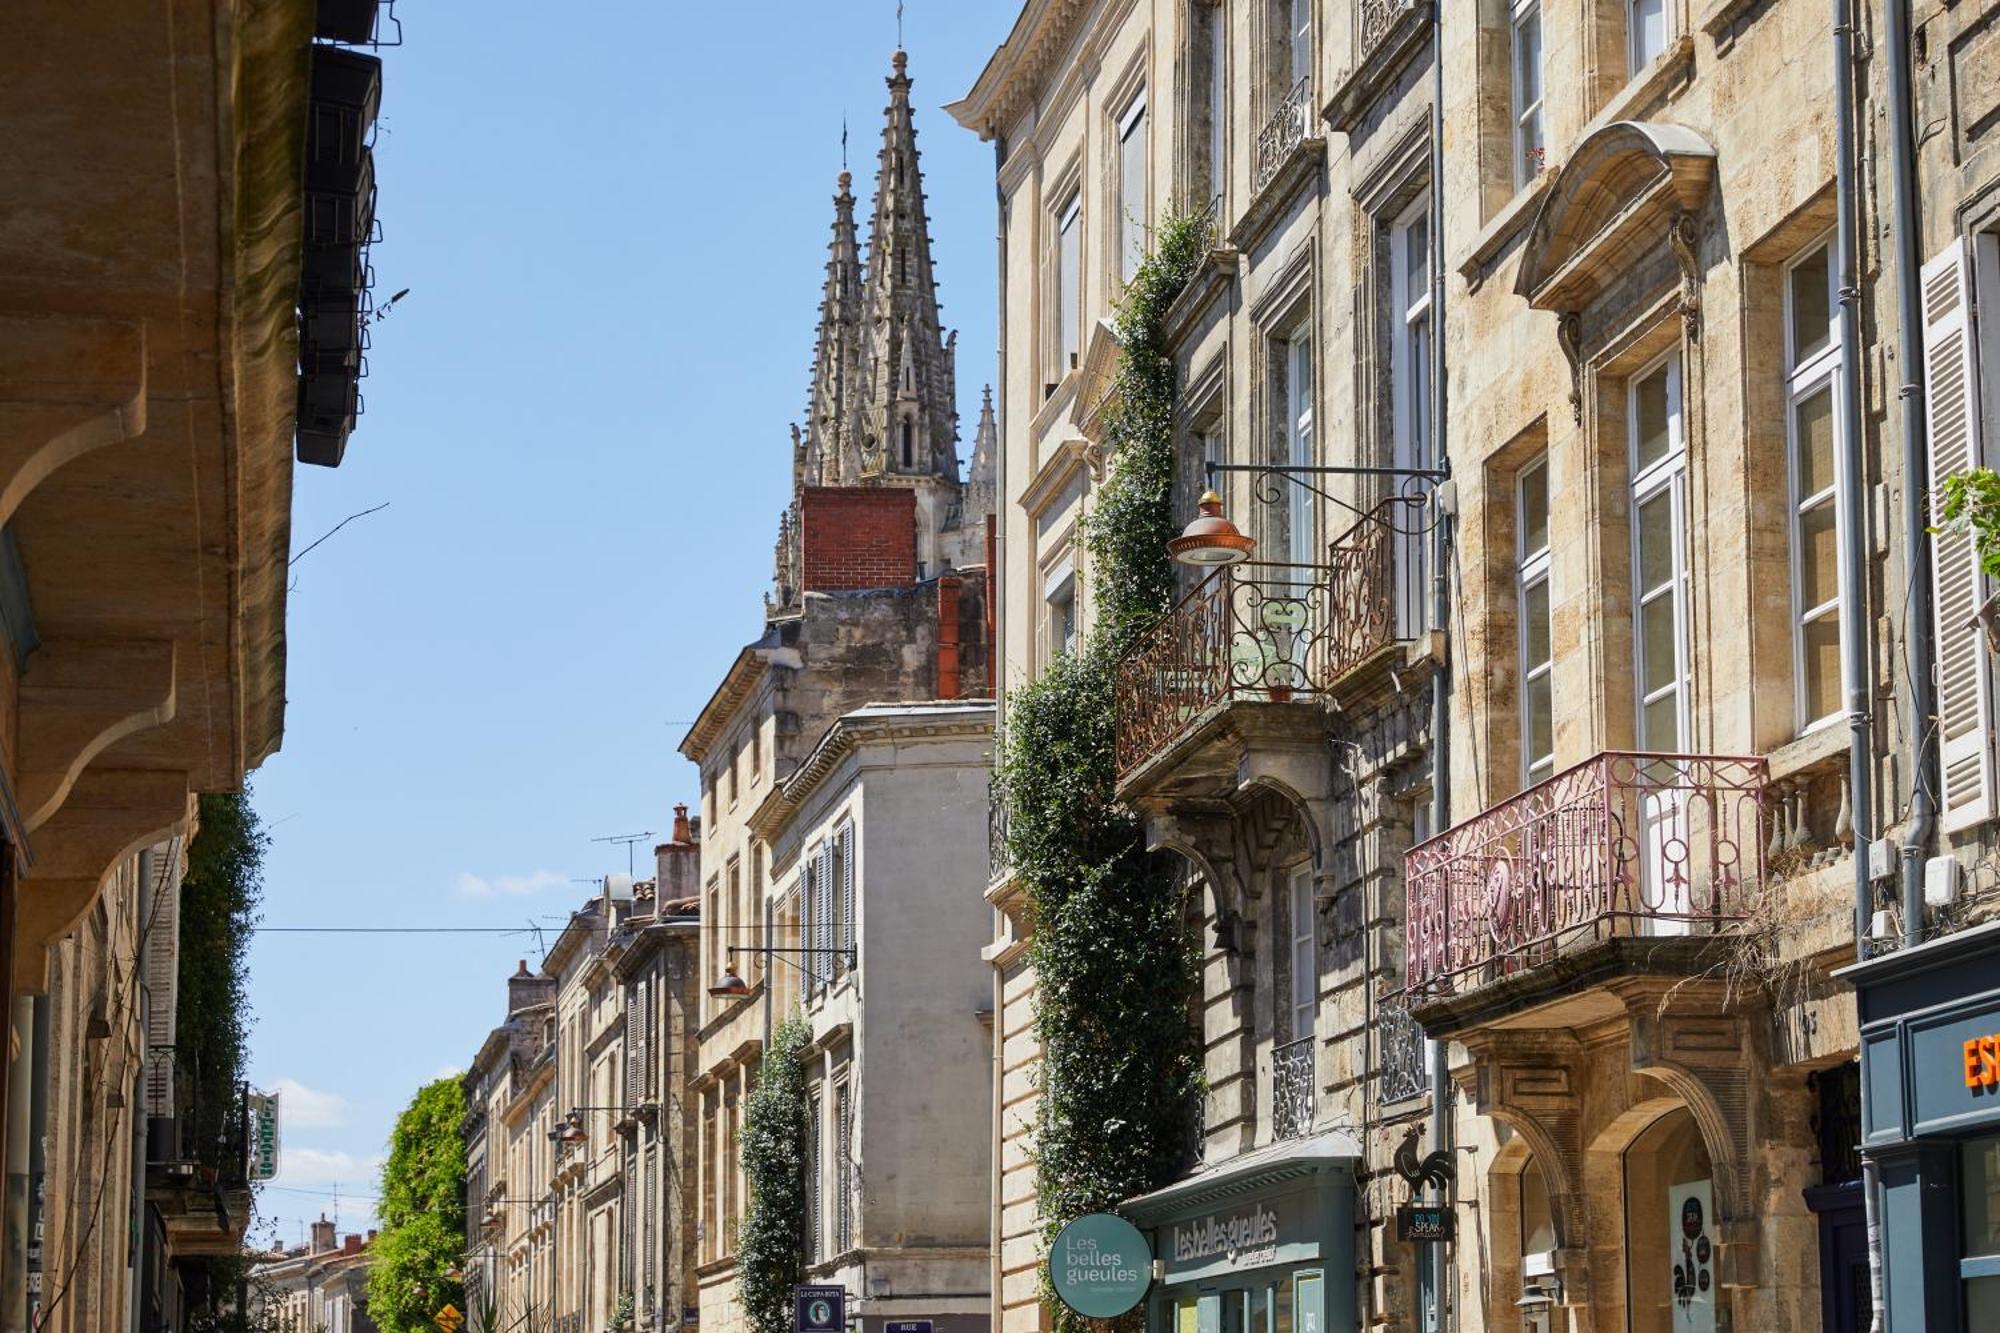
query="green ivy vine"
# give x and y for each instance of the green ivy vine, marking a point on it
(771, 1239)
(1116, 973)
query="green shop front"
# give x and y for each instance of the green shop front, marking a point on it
(1262, 1244)
(1930, 1071)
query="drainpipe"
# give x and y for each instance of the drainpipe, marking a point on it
(1856, 645)
(1437, 1316)
(1919, 641)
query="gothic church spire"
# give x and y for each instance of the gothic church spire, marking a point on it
(829, 451)
(910, 424)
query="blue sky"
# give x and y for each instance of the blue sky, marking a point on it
(612, 220)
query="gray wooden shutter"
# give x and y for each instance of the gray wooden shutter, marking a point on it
(634, 1050)
(163, 961)
(823, 962)
(1964, 674)
(847, 904)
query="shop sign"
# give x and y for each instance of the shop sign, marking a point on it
(1245, 1239)
(1100, 1265)
(263, 1135)
(1690, 1209)
(1424, 1223)
(820, 1309)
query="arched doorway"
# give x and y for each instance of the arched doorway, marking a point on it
(1671, 1274)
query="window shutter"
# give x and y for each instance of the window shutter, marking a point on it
(801, 915)
(847, 887)
(634, 1054)
(1951, 408)
(822, 962)
(163, 961)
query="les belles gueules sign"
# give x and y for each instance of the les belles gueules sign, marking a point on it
(1100, 1265)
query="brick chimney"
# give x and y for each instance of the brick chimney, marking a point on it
(857, 537)
(677, 864)
(352, 1245)
(322, 1236)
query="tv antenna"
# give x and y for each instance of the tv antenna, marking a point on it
(629, 841)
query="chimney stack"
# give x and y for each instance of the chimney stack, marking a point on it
(352, 1245)
(525, 989)
(322, 1236)
(681, 834)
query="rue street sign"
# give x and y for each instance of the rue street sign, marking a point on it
(1425, 1223)
(907, 1326)
(820, 1309)
(1100, 1265)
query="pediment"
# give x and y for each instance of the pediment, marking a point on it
(1615, 198)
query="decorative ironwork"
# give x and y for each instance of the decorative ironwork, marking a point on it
(1293, 1082)
(1624, 844)
(1837, 1122)
(1284, 131)
(1399, 1053)
(996, 831)
(1377, 17)
(1195, 1148)
(1257, 631)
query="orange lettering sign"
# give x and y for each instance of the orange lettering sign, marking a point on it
(1982, 1062)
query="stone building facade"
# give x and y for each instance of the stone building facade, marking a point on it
(1676, 597)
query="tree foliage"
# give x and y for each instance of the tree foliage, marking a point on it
(422, 1212)
(220, 896)
(771, 1240)
(1115, 970)
(1970, 504)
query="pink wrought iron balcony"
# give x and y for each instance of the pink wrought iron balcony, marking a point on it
(1259, 632)
(1622, 845)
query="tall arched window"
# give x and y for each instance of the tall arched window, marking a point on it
(909, 443)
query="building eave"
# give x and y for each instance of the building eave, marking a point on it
(941, 720)
(1017, 68)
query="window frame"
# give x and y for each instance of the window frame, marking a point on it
(1520, 14)
(1532, 569)
(1133, 123)
(1059, 589)
(1411, 398)
(1299, 44)
(1301, 442)
(1302, 1005)
(1068, 278)
(1667, 476)
(1819, 372)
(1637, 61)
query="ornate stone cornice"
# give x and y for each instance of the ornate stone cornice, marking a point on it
(1019, 67)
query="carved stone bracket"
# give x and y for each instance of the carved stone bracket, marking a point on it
(1531, 1083)
(69, 385)
(1569, 337)
(1683, 238)
(110, 815)
(79, 697)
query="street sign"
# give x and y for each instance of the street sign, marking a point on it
(820, 1309)
(1100, 1266)
(263, 1135)
(907, 1326)
(1425, 1223)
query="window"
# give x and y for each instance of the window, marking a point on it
(756, 748)
(1410, 397)
(1645, 32)
(837, 849)
(1059, 611)
(843, 1170)
(1132, 139)
(815, 1223)
(1069, 290)
(1299, 446)
(908, 434)
(1812, 363)
(1659, 560)
(1211, 40)
(1305, 955)
(1301, 33)
(734, 747)
(1531, 598)
(1530, 154)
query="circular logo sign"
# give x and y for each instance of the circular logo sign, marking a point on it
(1100, 1266)
(821, 1313)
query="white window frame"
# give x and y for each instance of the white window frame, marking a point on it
(1134, 145)
(1058, 597)
(1304, 999)
(1523, 14)
(1817, 373)
(1069, 284)
(1531, 571)
(1300, 533)
(1300, 32)
(1636, 56)
(1410, 392)
(1666, 475)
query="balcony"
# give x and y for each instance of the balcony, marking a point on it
(1626, 862)
(1284, 131)
(1293, 1085)
(996, 832)
(1257, 633)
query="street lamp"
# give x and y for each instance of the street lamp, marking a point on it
(1211, 540)
(731, 986)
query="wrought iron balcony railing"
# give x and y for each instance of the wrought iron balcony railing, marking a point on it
(1400, 1071)
(1621, 845)
(1293, 1083)
(1257, 631)
(1377, 17)
(1284, 131)
(996, 831)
